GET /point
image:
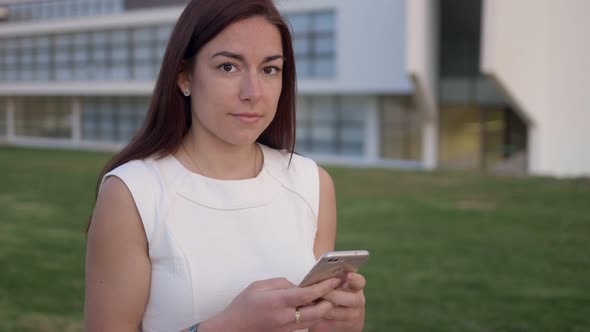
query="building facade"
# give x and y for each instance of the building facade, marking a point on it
(412, 84)
(503, 83)
(83, 80)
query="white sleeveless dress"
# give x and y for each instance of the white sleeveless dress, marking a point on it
(209, 239)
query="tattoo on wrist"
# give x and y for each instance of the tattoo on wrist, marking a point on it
(194, 328)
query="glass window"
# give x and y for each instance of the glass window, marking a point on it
(89, 119)
(43, 117)
(2, 70)
(314, 43)
(26, 73)
(42, 58)
(42, 74)
(81, 54)
(145, 53)
(324, 45)
(142, 71)
(26, 43)
(301, 23)
(10, 74)
(120, 37)
(326, 125)
(60, 47)
(100, 37)
(42, 51)
(143, 35)
(3, 123)
(36, 13)
(322, 109)
(9, 61)
(51, 10)
(120, 71)
(301, 46)
(303, 66)
(401, 130)
(324, 67)
(163, 32)
(17, 12)
(44, 8)
(84, 10)
(323, 132)
(94, 8)
(98, 55)
(112, 120)
(66, 8)
(63, 57)
(54, 10)
(81, 38)
(42, 42)
(119, 53)
(163, 35)
(324, 22)
(10, 53)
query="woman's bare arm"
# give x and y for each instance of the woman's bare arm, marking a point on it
(326, 234)
(117, 263)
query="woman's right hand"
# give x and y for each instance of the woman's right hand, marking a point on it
(270, 305)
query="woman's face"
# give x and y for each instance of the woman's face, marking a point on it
(236, 82)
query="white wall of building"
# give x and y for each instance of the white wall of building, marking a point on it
(370, 46)
(538, 52)
(422, 67)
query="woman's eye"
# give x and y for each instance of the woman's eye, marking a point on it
(271, 70)
(227, 67)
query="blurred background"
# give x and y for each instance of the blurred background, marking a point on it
(456, 131)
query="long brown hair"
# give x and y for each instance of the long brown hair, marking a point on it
(169, 116)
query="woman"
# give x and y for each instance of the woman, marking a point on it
(207, 220)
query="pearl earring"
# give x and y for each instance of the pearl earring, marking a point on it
(187, 93)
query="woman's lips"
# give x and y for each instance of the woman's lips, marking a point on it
(247, 117)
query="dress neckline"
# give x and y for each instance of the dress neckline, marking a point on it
(202, 177)
(228, 194)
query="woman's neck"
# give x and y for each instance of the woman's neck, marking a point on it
(214, 158)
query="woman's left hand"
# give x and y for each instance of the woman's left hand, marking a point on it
(348, 313)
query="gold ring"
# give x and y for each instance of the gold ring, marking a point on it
(297, 316)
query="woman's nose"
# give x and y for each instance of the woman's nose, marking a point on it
(250, 89)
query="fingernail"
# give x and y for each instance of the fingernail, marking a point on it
(335, 282)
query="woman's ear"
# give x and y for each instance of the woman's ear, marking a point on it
(183, 79)
(183, 82)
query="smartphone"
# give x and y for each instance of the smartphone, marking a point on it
(335, 264)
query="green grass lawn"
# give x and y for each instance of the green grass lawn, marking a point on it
(449, 251)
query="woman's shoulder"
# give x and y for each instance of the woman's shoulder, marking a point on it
(142, 179)
(143, 169)
(290, 163)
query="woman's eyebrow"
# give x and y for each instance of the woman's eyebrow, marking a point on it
(240, 57)
(274, 57)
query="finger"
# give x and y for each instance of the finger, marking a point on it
(343, 314)
(298, 296)
(274, 283)
(346, 299)
(309, 315)
(355, 281)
